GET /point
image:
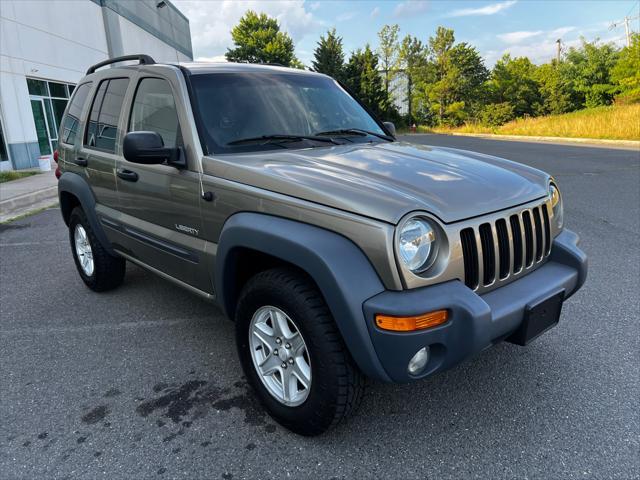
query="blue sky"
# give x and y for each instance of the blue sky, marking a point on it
(521, 27)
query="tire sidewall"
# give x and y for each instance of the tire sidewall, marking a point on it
(319, 405)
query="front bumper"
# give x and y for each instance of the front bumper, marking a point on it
(475, 321)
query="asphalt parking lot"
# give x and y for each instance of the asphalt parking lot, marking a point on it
(143, 382)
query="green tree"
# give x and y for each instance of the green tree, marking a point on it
(258, 39)
(626, 72)
(440, 92)
(413, 60)
(328, 56)
(453, 79)
(471, 77)
(513, 81)
(590, 69)
(556, 88)
(364, 80)
(388, 55)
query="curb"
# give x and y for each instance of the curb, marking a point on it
(627, 144)
(29, 202)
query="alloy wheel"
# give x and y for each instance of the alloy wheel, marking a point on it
(83, 250)
(280, 356)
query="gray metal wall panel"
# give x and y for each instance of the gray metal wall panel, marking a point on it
(24, 155)
(167, 23)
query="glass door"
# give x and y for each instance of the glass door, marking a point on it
(42, 126)
(48, 101)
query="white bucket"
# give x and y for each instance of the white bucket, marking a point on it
(44, 162)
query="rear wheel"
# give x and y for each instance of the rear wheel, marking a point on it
(98, 269)
(293, 355)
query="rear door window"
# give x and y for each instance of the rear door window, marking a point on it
(71, 120)
(102, 127)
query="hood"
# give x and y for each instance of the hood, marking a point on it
(385, 181)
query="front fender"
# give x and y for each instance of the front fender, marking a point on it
(342, 272)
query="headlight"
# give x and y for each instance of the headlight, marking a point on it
(556, 205)
(417, 244)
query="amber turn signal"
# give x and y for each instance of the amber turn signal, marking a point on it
(410, 324)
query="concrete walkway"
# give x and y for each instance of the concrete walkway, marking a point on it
(20, 197)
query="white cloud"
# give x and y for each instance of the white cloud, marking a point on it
(314, 6)
(491, 9)
(544, 49)
(343, 17)
(560, 32)
(375, 12)
(211, 22)
(517, 37)
(522, 36)
(410, 7)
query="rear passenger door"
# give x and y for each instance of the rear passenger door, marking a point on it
(161, 203)
(98, 152)
(70, 134)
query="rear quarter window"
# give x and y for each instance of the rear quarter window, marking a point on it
(71, 121)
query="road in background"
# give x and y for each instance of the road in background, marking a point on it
(144, 382)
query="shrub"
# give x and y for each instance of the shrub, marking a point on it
(629, 97)
(496, 114)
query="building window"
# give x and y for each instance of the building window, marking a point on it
(58, 90)
(37, 87)
(48, 102)
(3, 146)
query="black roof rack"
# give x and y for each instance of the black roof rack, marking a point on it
(143, 59)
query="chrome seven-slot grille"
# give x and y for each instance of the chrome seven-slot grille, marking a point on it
(508, 246)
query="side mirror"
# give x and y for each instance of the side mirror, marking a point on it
(148, 148)
(391, 127)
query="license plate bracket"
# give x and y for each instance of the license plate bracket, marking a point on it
(538, 318)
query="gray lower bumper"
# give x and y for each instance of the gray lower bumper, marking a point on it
(475, 322)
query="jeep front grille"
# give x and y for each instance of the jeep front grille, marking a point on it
(497, 250)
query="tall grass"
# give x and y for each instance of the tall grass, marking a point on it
(620, 122)
(9, 175)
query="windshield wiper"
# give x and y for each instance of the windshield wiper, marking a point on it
(280, 138)
(356, 131)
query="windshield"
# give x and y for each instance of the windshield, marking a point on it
(237, 109)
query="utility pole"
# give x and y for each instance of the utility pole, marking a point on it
(627, 28)
(626, 31)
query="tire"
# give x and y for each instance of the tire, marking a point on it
(336, 384)
(107, 271)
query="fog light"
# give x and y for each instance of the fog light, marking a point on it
(419, 361)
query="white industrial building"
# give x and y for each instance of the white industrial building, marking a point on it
(46, 47)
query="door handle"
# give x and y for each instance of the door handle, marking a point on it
(81, 161)
(127, 175)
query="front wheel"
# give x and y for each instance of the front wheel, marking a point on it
(293, 355)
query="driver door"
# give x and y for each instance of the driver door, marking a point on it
(160, 204)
